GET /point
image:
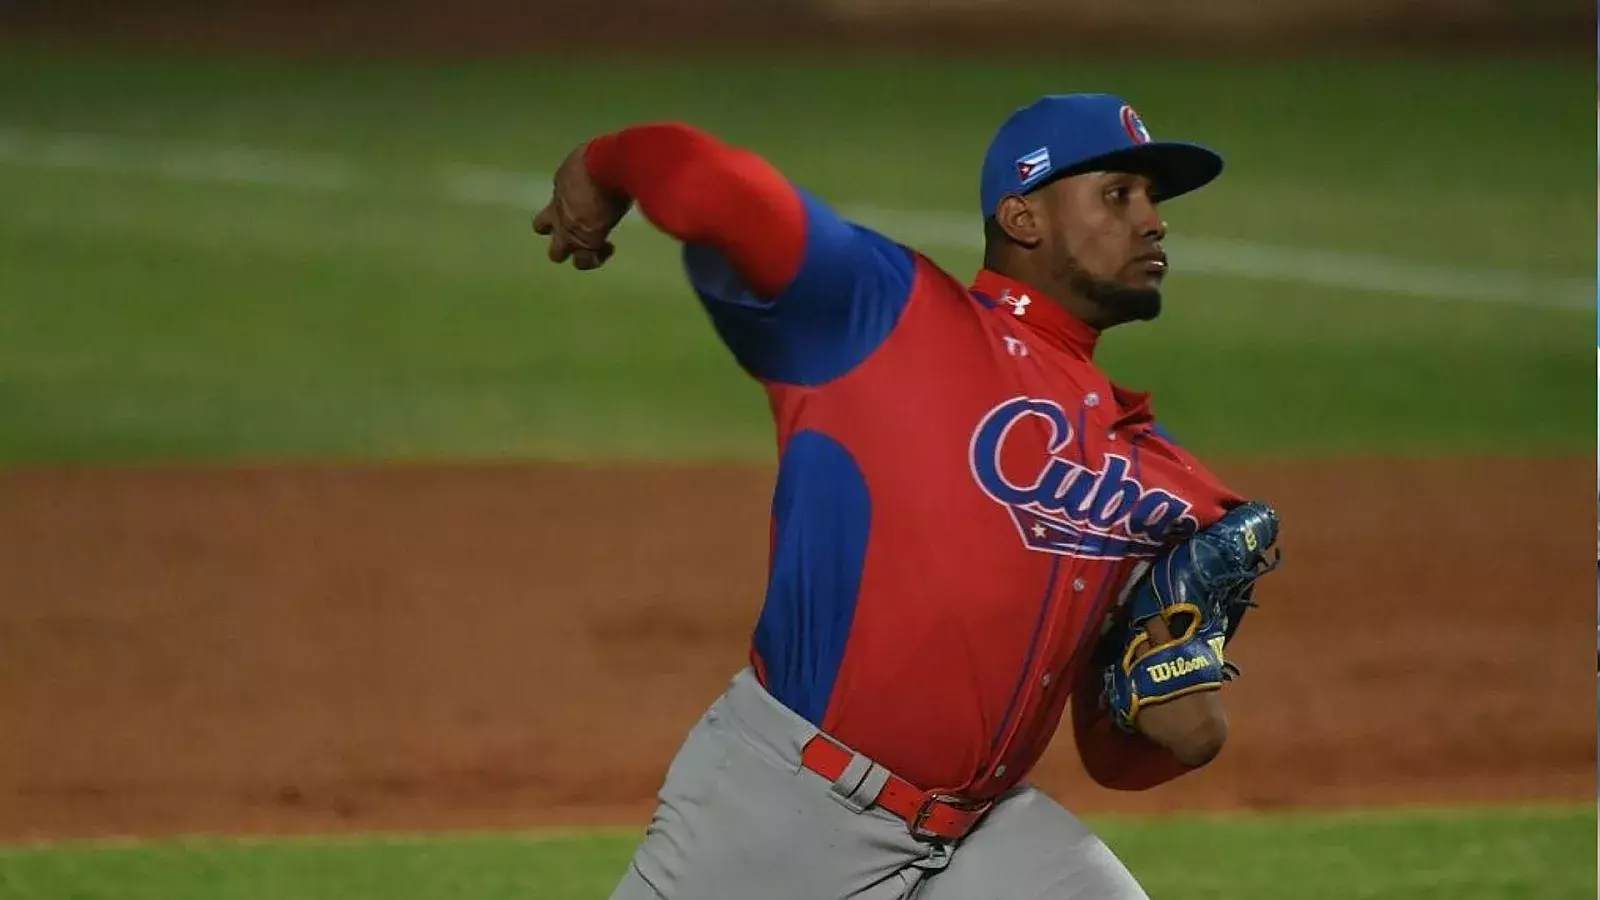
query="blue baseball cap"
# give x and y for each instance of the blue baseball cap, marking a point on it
(1064, 134)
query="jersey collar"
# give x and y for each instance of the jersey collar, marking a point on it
(1033, 309)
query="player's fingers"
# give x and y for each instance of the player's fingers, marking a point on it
(545, 220)
(1159, 632)
(560, 245)
(593, 257)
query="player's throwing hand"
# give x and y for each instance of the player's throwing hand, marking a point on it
(580, 215)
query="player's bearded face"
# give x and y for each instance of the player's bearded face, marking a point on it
(1121, 301)
(1106, 244)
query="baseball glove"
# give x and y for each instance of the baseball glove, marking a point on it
(1200, 590)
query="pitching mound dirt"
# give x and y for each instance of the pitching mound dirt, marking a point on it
(314, 649)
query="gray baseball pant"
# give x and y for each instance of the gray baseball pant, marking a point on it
(740, 819)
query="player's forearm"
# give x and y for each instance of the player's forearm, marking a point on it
(1139, 761)
(700, 190)
(1192, 728)
(1118, 760)
(1173, 738)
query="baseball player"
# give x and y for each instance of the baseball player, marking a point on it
(971, 522)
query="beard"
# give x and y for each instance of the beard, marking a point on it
(1118, 302)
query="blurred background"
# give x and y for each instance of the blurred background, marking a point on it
(329, 507)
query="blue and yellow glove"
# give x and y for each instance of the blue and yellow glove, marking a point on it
(1200, 590)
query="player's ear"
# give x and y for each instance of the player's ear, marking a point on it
(1021, 223)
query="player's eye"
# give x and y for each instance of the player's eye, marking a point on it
(1118, 194)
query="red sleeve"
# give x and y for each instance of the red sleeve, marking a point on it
(700, 190)
(1113, 758)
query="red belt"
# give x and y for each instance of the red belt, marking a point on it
(927, 814)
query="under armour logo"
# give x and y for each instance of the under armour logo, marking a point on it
(1014, 346)
(1019, 305)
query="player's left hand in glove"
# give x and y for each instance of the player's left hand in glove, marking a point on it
(580, 215)
(1200, 591)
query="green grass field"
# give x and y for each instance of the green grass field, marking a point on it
(1536, 854)
(205, 259)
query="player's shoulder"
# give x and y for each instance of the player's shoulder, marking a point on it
(932, 272)
(935, 287)
(838, 241)
(847, 258)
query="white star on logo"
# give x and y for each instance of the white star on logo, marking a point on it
(1038, 530)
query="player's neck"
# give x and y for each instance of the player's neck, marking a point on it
(1077, 305)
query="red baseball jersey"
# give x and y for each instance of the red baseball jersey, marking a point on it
(961, 494)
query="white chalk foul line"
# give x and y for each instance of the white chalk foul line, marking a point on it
(478, 185)
(227, 163)
(1288, 265)
(495, 187)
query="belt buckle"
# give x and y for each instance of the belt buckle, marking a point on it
(926, 809)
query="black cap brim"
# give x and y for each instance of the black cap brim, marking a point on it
(1176, 168)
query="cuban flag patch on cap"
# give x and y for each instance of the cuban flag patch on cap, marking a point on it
(1033, 165)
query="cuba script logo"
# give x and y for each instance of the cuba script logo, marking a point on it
(1062, 505)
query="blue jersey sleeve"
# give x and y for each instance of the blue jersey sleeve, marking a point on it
(851, 288)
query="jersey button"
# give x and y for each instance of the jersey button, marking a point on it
(1044, 681)
(1077, 584)
(1111, 435)
(1000, 771)
(1091, 399)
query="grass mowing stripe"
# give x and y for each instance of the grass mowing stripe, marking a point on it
(925, 228)
(417, 329)
(1311, 146)
(149, 315)
(1539, 853)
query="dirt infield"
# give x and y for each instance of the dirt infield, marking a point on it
(290, 650)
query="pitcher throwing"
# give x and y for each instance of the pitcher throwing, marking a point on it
(971, 522)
